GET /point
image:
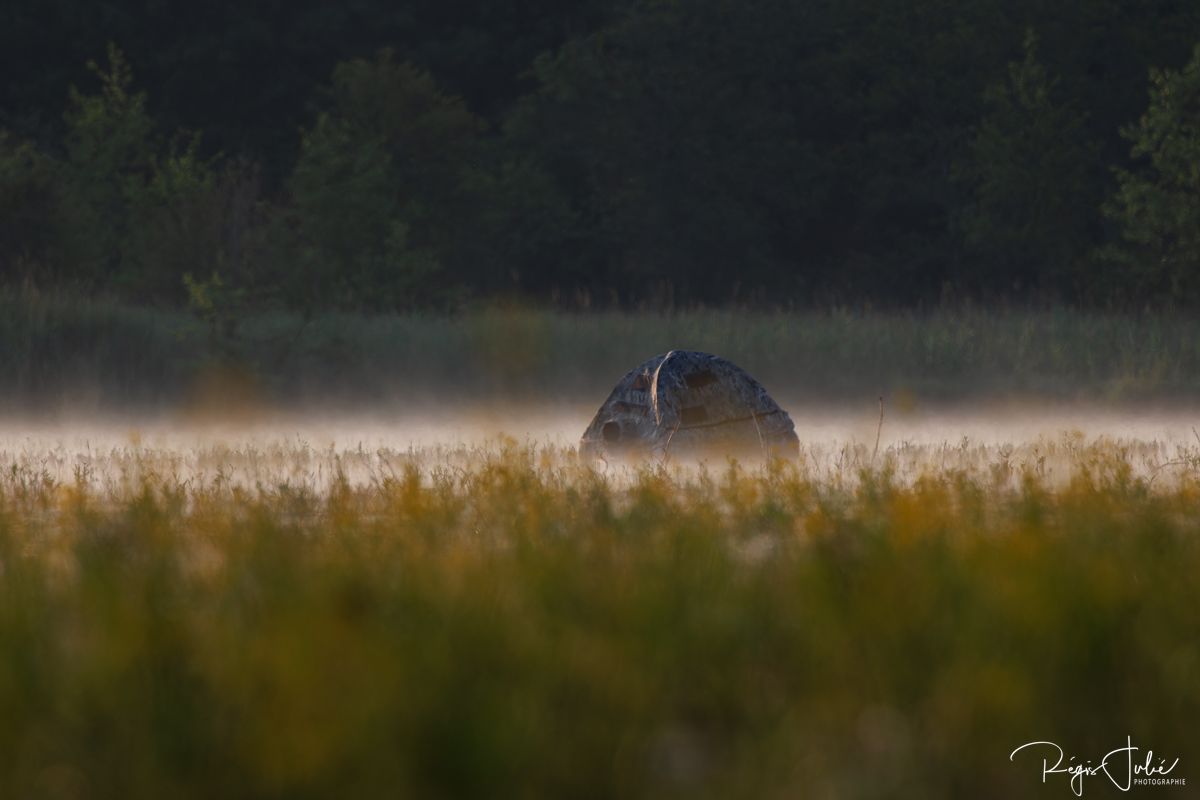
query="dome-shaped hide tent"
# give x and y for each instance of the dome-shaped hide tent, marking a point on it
(686, 402)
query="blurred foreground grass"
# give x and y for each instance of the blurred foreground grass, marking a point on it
(83, 354)
(520, 624)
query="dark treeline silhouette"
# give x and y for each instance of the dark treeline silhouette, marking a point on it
(387, 155)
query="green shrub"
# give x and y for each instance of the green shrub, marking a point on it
(1158, 204)
(1028, 171)
(151, 210)
(378, 191)
(39, 242)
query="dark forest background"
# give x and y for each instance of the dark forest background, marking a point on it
(418, 153)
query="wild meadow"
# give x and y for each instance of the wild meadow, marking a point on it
(418, 605)
(66, 352)
(502, 619)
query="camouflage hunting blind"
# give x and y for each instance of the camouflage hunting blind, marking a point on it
(685, 402)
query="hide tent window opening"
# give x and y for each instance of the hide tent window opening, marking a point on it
(698, 380)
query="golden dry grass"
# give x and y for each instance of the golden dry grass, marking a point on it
(509, 621)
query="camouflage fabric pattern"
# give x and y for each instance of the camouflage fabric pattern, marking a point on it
(687, 402)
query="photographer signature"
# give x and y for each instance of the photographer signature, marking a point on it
(1118, 765)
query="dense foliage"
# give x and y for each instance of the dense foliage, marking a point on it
(64, 353)
(514, 623)
(392, 155)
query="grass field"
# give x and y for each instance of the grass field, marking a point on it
(205, 593)
(67, 353)
(290, 619)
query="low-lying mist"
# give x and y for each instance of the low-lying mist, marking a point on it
(309, 448)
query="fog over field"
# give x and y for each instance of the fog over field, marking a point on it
(308, 448)
(103, 385)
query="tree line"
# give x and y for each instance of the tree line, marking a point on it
(389, 155)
